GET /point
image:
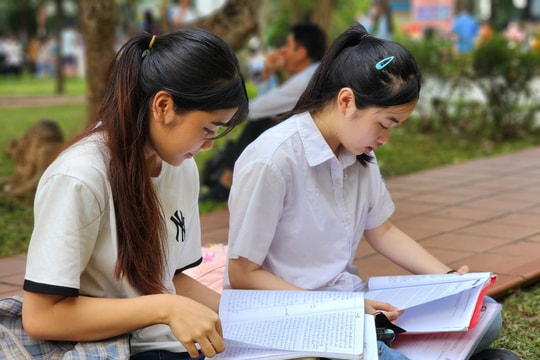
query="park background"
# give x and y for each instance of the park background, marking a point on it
(473, 105)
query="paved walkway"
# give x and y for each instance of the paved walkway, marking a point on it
(484, 213)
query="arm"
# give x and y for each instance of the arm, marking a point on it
(402, 250)
(86, 319)
(191, 288)
(244, 274)
(281, 98)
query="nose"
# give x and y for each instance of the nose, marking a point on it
(207, 144)
(383, 139)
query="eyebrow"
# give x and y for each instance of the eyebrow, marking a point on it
(219, 123)
(393, 119)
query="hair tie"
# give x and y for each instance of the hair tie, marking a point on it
(384, 62)
(147, 51)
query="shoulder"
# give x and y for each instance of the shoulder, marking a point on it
(84, 164)
(277, 149)
(83, 160)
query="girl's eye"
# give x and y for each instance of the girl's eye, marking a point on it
(384, 127)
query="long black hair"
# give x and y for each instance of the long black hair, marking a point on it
(201, 72)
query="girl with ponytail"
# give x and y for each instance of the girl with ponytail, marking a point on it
(116, 214)
(308, 190)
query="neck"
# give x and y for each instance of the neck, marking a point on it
(323, 120)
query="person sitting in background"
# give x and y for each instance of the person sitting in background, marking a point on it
(299, 57)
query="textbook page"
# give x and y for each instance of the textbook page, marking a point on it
(406, 291)
(310, 323)
(439, 307)
(241, 351)
(371, 350)
(450, 345)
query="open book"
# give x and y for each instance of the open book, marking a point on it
(282, 324)
(447, 345)
(433, 303)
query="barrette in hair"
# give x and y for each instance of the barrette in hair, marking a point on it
(147, 51)
(384, 62)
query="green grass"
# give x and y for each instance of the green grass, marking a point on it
(521, 323)
(16, 120)
(29, 85)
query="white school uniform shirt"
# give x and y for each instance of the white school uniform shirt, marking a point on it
(299, 211)
(73, 248)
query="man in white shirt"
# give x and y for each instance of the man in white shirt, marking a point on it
(299, 57)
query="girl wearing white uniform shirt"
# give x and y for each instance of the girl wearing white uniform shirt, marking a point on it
(306, 191)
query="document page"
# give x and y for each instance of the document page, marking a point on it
(388, 282)
(449, 345)
(241, 305)
(409, 291)
(453, 313)
(303, 321)
(241, 351)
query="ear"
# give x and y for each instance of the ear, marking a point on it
(162, 106)
(345, 101)
(303, 52)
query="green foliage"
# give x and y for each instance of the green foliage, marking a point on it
(503, 72)
(433, 55)
(279, 14)
(500, 74)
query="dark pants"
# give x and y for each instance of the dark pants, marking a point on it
(163, 355)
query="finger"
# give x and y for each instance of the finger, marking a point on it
(207, 348)
(217, 342)
(384, 306)
(369, 309)
(393, 315)
(219, 328)
(191, 349)
(463, 270)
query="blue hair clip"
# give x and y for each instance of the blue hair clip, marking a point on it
(382, 64)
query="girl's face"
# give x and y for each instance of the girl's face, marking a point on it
(176, 137)
(361, 131)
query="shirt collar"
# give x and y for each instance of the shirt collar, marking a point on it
(316, 148)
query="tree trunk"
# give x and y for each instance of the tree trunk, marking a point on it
(98, 21)
(318, 12)
(59, 22)
(322, 14)
(235, 22)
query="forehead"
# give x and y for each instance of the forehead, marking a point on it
(290, 40)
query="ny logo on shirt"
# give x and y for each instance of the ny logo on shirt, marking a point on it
(179, 221)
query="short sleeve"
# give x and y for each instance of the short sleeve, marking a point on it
(67, 220)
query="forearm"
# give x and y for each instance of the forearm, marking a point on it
(191, 288)
(88, 319)
(244, 274)
(404, 251)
